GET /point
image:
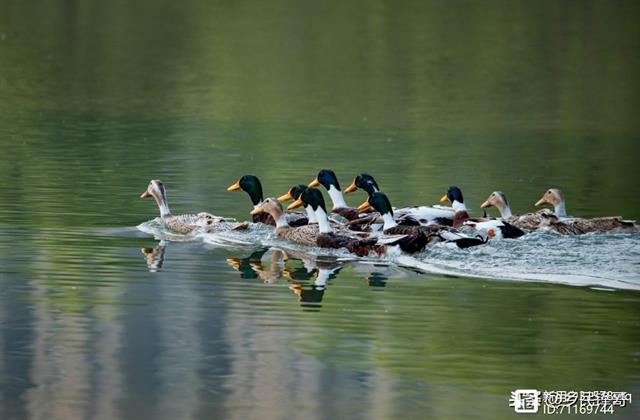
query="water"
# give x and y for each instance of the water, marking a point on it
(101, 320)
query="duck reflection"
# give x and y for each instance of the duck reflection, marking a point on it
(377, 279)
(155, 256)
(250, 267)
(310, 283)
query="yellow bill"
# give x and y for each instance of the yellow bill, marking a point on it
(285, 197)
(351, 188)
(295, 204)
(234, 187)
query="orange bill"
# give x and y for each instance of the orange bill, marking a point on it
(444, 199)
(485, 205)
(364, 207)
(145, 194)
(295, 204)
(314, 183)
(234, 187)
(351, 188)
(286, 197)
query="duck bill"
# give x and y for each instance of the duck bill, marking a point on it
(285, 197)
(444, 199)
(256, 211)
(541, 202)
(486, 205)
(351, 188)
(145, 194)
(364, 207)
(314, 183)
(234, 187)
(295, 204)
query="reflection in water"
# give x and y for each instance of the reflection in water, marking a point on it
(155, 256)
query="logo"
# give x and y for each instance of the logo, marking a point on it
(525, 400)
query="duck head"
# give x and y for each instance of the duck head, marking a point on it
(498, 200)
(293, 194)
(157, 191)
(554, 197)
(454, 196)
(328, 179)
(380, 202)
(312, 199)
(251, 185)
(274, 208)
(365, 182)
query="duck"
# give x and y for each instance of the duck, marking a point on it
(461, 218)
(346, 229)
(578, 226)
(410, 215)
(328, 179)
(417, 236)
(320, 235)
(187, 223)
(527, 221)
(365, 182)
(293, 194)
(454, 196)
(253, 187)
(359, 246)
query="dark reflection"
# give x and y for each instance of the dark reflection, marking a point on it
(249, 267)
(155, 256)
(377, 280)
(310, 288)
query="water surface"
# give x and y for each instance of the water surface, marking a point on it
(100, 320)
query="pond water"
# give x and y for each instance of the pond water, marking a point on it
(99, 319)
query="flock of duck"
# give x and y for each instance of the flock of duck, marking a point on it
(375, 227)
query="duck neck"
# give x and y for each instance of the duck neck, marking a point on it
(162, 205)
(336, 197)
(560, 209)
(389, 222)
(458, 206)
(281, 222)
(505, 212)
(311, 215)
(323, 221)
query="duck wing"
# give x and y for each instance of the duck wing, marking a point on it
(348, 213)
(360, 247)
(295, 219)
(305, 235)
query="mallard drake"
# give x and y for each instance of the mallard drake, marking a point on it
(252, 186)
(328, 179)
(577, 226)
(305, 235)
(417, 237)
(461, 217)
(320, 235)
(186, 223)
(352, 228)
(327, 238)
(293, 194)
(410, 215)
(365, 182)
(454, 196)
